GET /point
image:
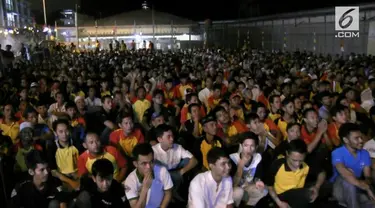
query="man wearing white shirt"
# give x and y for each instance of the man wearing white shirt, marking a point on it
(204, 94)
(173, 156)
(149, 185)
(213, 188)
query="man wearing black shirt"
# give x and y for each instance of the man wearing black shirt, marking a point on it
(41, 191)
(102, 190)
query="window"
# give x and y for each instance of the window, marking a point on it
(10, 20)
(9, 5)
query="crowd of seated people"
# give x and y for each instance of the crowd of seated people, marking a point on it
(197, 128)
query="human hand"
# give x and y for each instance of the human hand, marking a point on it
(322, 126)
(314, 191)
(147, 180)
(282, 204)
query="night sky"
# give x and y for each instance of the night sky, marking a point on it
(194, 9)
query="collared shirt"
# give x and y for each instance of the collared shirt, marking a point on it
(133, 183)
(86, 160)
(282, 178)
(127, 143)
(172, 157)
(204, 192)
(27, 195)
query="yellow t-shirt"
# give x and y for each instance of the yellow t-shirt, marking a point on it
(66, 159)
(140, 107)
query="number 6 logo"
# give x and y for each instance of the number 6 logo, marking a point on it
(346, 18)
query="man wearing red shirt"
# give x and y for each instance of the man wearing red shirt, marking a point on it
(127, 136)
(96, 151)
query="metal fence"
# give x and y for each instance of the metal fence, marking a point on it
(311, 31)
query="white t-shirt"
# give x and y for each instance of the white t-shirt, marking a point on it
(133, 185)
(205, 193)
(172, 157)
(249, 171)
(370, 147)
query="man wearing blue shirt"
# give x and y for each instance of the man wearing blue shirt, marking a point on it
(350, 162)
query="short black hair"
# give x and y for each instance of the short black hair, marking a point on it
(29, 109)
(35, 157)
(290, 125)
(215, 154)
(251, 117)
(190, 96)
(272, 98)
(193, 105)
(142, 149)
(122, 115)
(297, 145)
(60, 121)
(248, 135)
(102, 167)
(347, 128)
(337, 109)
(70, 104)
(217, 87)
(105, 97)
(287, 100)
(158, 92)
(305, 112)
(159, 131)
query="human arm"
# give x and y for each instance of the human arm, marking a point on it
(322, 128)
(138, 200)
(192, 161)
(347, 174)
(167, 198)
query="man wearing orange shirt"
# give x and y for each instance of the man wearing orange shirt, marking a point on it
(313, 132)
(96, 151)
(183, 86)
(339, 117)
(226, 128)
(190, 99)
(127, 136)
(215, 98)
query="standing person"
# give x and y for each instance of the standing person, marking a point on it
(149, 185)
(350, 162)
(213, 188)
(8, 58)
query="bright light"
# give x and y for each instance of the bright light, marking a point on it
(25, 27)
(140, 33)
(1, 31)
(11, 31)
(37, 30)
(45, 29)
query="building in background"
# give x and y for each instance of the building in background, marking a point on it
(15, 14)
(67, 18)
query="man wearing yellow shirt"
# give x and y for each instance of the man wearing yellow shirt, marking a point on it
(141, 105)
